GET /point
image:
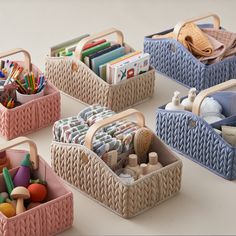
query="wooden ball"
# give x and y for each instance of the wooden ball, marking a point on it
(7, 209)
(38, 192)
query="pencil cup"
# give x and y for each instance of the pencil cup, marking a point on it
(24, 98)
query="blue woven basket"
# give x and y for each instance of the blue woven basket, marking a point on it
(193, 137)
(172, 59)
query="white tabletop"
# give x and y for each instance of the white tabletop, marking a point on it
(206, 203)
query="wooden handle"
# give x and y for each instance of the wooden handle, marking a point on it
(181, 24)
(219, 87)
(83, 42)
(20, 140)
(18, 50)
(98, 125)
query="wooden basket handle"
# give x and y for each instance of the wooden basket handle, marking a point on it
(20, 140)
(98, 125)
(18, 50)
(219, 87)
(181, 24)
(83, 42)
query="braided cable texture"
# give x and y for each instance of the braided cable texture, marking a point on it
(193, 137)
(83, 84)
(31, 116)
(171, 58)
(99, 182)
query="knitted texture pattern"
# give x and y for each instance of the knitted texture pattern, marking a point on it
(195, 138)
(171, 58)
(49, 218)
(98, 181)
(77, 80)
(31, 116)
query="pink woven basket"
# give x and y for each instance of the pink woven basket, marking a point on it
(50, 218)
(32, 115)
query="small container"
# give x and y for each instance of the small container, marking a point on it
(24, 98)
(133, 164)
(175, 105)
(127, 175)
(153, 163)
(188, 102)
(144, 170)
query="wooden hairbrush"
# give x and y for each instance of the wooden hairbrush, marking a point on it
(142, 141)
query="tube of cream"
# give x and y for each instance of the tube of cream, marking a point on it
(229, 134)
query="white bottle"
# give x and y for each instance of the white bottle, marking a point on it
(188, 102)
(144, 170)
(133, 164)
(153, 163)
(175, 103)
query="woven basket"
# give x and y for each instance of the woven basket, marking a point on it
(82, 168)
(192, 136)
(73, 77)
(50, 218)
(32, 115)
(171, 58)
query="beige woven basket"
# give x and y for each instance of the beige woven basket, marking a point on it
(82, 168)
(73, 77)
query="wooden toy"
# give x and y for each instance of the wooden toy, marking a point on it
(8, 180)
(20, 194)
(7, 209)
(38, 192)
(22, 177)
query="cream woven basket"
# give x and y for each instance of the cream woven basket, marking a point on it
(82, 168)
(73, 77)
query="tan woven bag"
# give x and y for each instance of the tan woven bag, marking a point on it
(82, 168)
(73, 77)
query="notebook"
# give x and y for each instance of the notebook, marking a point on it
(95, 49)
(62, 46)
(87, 59)
(104, 58)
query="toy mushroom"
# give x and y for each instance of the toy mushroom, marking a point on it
(20, 194)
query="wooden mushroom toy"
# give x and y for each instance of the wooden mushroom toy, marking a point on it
(20, 194)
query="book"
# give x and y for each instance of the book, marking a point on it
(93, 44)
(87, 59)
(104, 69)
(62, 46)
(102, 59)
(109, 67)
(94, 49)
(131, 67)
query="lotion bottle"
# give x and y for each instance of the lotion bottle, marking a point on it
(188, 102)
(175, 105)
(144, 170)
(133, 164)
(153, 163)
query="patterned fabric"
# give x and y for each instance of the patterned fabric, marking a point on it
(117, 136)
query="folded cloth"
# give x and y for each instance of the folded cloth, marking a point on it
(192, 37)
(209, 45)
(228, 39)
